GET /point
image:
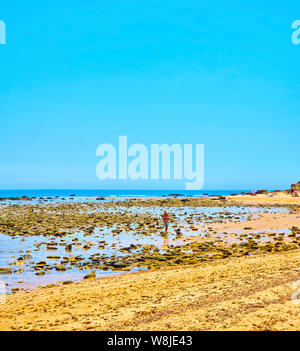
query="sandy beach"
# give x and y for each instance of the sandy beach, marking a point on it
(149, 169)
(280, 198)
(226, 264)
(248, 293)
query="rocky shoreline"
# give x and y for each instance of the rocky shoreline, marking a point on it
(56, 244)
(128, 235)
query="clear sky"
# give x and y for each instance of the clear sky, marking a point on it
(76, 74)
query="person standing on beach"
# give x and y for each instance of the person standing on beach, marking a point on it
(166, 221)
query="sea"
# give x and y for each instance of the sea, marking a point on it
(114, 193)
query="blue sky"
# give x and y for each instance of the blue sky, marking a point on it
(76, 74)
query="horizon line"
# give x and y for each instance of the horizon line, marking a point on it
(127, 189)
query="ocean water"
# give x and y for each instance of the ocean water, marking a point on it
(111, 193)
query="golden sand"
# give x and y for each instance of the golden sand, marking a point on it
(265, 221)
(278, 199)
(244, 293)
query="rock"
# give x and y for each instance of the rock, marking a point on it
(258, 192)
(67, 282)
(40, 273)
(60, 268)
(68, 247)
(91, 275)
(296, 186)
(5, 271)
(51, 247)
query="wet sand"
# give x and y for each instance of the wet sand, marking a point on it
(264, 222)
(243, 293)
